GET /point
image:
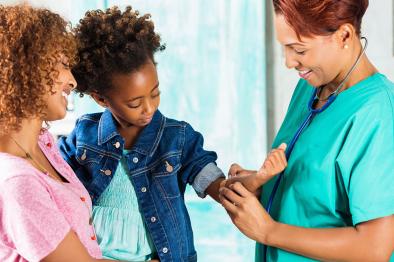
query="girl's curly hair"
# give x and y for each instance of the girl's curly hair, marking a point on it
(112, 42)
(32, 42)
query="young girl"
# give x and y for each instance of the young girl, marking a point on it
(134, 161)
(44, 208)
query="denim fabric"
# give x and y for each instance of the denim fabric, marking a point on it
(167, 156)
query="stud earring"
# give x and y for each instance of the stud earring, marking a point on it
(346, 46)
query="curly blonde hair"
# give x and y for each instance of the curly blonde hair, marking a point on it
(32, 42)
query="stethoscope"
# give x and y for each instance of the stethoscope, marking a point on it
(308, 119)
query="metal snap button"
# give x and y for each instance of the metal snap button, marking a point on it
(169, 167)
(83, 157)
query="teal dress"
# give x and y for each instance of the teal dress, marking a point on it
(120, 229)
(341, 170)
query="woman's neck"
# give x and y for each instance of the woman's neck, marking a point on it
(26, 137)
(362, 69)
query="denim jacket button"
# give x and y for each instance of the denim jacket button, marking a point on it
(165, 250)
(135, 160)
(83, 157)
(169, 168)
(117, 144)
(153, 219)
(143, 189)
(107, 172)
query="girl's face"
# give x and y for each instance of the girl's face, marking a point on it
(317, 59)
(63, 85)
(134, 98)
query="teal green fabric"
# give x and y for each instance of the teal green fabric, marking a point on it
(121, 232)
(340, 172)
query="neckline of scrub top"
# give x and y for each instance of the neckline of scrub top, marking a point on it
(355, 87)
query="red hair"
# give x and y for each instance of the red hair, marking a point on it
(321, 17)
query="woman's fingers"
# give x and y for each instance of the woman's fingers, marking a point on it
(228, 205)
(240, 190)
(231, 194)
(234, 170)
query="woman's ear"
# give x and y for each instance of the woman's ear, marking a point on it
(345, 35)
(99, 99)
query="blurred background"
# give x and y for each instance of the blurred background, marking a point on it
(224, 73)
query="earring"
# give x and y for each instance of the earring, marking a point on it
(346, 46)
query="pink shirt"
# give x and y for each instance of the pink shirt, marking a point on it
(36, 211)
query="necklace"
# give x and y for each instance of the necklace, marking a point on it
(44, 170)
(28, 156)
(346, 77)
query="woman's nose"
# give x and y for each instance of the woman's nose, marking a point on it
(290, 61)
(72, 83)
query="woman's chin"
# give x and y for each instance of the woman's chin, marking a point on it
(56, 116)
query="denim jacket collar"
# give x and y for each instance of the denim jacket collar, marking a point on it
(106, 128)
(147, 141)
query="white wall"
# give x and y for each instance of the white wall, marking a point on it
(377, 27)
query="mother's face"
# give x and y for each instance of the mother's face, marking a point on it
(317, 59)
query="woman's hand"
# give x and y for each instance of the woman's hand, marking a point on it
(236, 170)
(246, 212)
(273, 165)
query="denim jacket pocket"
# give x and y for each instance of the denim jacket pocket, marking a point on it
(86, 156)
(165, 176)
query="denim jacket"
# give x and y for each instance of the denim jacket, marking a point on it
(167, 155)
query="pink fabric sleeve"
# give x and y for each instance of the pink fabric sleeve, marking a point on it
(32, 223)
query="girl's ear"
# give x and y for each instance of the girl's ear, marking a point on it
(99, 99)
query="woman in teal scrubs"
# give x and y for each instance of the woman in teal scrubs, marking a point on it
(335, 201)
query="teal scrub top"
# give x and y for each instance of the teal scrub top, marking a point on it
(341, 170)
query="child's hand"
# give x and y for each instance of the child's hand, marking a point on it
(237, 170)
(274, 164)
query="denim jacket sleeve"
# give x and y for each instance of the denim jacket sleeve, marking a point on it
(67, 147)
(198, 165)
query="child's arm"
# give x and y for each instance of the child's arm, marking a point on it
(199, 165)
(213, 189)
(274, 164)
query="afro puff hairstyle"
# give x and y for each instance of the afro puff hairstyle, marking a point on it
(112, 42)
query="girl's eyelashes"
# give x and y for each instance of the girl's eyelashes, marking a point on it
(134, 105)
(138, 103)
